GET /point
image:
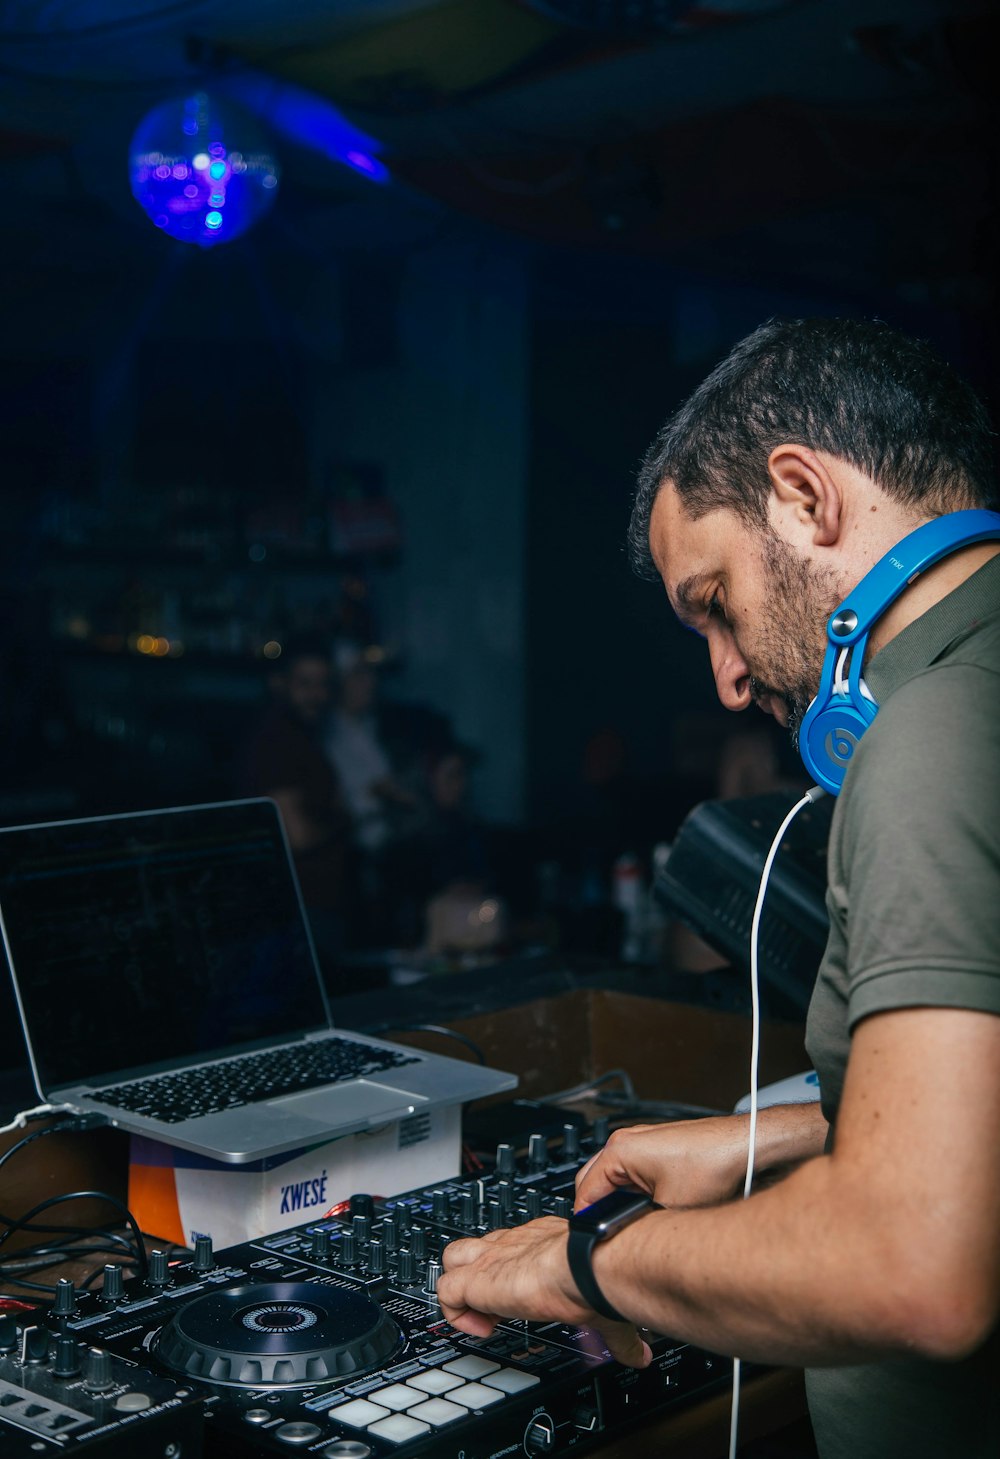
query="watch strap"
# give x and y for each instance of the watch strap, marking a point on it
(579, 1250)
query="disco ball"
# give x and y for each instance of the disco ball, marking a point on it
(202, 169)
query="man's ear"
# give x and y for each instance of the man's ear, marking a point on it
(807, 492)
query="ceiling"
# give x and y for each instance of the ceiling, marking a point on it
(829, 144)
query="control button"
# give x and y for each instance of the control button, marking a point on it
(346, 1449)
(133, 1402)
(360, 1413)
(434, 1381)
(438, 1411)
(470, 1366)
(297, 1432)
(571, 1142)
(540, 1435)
(510, 1380)
(258, 1416)
(400, 1427)
(475, 1395)
(505, 1160)
(399, 1397)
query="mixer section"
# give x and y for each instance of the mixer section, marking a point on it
(328, 1339)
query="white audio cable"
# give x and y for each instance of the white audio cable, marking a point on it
(810, 798)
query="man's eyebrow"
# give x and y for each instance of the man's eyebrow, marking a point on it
(685, 596)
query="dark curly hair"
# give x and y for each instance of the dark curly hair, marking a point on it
(859, 390)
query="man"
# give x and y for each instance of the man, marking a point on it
(806, 456)
(284, 759)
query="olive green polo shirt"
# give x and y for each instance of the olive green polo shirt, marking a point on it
(914, 904)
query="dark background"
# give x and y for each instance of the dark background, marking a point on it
(587, 205)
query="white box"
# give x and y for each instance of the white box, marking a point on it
(177, 1195)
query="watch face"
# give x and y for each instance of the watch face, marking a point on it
(611, 1212)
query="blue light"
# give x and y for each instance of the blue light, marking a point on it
(310, 121)
(180, 175)
(370, 166)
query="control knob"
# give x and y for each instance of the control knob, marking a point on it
(67, 1363)
(97, 1371)
(159, 1269)
(506, 1163)
(113, 1289)
(204, 1257)
(540, 1435)
(538, 1154)
(431, 1279)
(65, 1302)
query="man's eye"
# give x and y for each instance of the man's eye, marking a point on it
(715, 608)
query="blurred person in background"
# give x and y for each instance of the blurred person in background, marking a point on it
(284, 759)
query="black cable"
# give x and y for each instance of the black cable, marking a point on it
(87, 1195)
(450, 1033)
(68, 1124)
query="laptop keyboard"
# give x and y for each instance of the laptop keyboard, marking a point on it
(251, 1079)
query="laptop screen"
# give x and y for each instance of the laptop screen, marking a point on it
(143, 939)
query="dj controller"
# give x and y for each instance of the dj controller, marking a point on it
(327, 1339)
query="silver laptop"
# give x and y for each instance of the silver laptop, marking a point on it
(166, 980)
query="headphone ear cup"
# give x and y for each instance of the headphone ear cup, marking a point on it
(829, 736)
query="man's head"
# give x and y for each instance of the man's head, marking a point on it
(303, 679)
(803, 457)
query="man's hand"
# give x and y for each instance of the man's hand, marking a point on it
(523, 1273)
(699, 1162)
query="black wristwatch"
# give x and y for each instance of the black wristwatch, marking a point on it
(605, 1218)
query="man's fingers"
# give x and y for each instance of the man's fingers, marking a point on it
(476, 1324)
(625, 1344)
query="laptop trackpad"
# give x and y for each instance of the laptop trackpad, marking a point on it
(360, 1101)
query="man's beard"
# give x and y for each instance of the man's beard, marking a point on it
(792, 643)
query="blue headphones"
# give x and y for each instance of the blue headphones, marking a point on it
(843, 708)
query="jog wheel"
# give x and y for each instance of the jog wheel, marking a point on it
(278, 1335)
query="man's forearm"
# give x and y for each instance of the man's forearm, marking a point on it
(788, 1134)
(755, 1278)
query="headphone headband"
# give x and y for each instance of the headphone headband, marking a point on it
(836, 720)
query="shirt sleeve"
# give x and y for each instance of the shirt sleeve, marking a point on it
(920, 853)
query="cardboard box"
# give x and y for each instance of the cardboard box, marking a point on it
(177, 1195)
(673, 1051)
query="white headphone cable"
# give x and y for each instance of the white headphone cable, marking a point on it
(810, 798)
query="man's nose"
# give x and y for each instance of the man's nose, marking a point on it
(732, 676)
